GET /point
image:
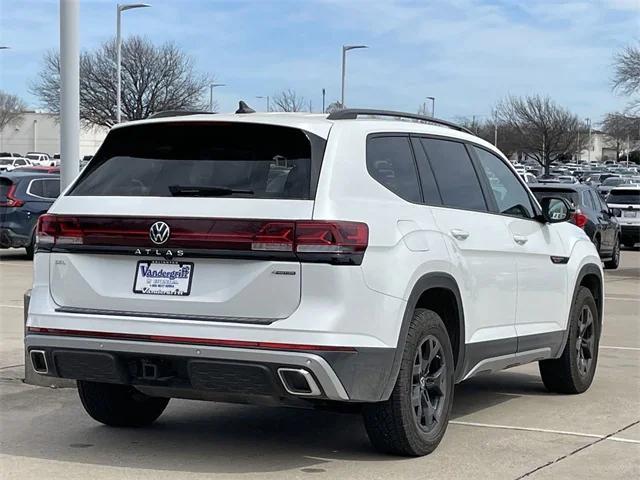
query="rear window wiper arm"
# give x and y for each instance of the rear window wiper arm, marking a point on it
(195, 191)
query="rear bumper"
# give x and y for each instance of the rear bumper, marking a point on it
(216, 373)
(9, 238)
(630, 232)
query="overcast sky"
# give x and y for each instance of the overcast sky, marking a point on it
(466, 53)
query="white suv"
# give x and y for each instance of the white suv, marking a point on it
(368, 257)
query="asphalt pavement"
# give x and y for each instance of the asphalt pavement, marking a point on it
(504, 425)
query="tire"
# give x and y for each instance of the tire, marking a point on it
(30, 249)
(119, 405)
(409, 424)
(615, 257)
(573, 372)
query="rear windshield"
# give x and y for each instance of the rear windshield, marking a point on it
(205, 160)
(5, 185)
(566, 194)
(624, 196)
(6, 161)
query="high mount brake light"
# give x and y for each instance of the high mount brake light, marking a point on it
(322, 241)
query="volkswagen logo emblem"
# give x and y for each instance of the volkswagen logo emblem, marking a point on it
(159, 233)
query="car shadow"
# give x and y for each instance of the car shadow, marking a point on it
(204, 437)
(14, 255)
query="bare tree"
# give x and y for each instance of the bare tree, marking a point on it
(11, 110)
(288, 101)
(626, 76)
(620, 129)
(495, 132)
(542, 129)
(154, 78)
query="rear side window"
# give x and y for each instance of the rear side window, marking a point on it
(205, 160)
(454, 173)
(45, 188)
(390, 162)
(587, 200)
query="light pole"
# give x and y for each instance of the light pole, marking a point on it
(211, 87)
(588, 120)
(433, 106)
(345, 49)
(120, 9)
(263, 97)
(324, 93)
(69, 91)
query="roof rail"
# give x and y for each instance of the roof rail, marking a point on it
(354, 113)
(176, 113)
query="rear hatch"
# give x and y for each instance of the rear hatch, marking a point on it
(186, 220)
(627, 201)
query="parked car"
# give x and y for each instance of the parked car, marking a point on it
(626, 201)
(591, 214)
(605, 187)
(382, 271)
(567, 179)
(595, 179)
(529, 177)
(9, 163)
(9, 154)
(38, 169)
(24, 196)
(39, 158)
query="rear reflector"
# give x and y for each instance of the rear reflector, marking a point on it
(212, 342)
(323, 241)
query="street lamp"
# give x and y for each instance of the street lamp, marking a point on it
(588, 120)
(433, 106)
(120, 9)
(211, 87)
(4, 47)
(345, 49)
(264, 98)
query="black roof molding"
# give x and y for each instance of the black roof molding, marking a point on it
(177, 113)
(354, 113)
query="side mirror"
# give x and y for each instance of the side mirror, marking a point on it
(556, 210)
(616, 212)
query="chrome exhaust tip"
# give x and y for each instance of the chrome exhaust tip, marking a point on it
(39, 361)
(298, 381)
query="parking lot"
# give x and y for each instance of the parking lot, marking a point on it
(504, 425)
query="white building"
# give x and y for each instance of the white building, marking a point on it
(40, 132)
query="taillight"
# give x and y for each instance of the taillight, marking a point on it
(11, 200)
(579, 218)
(322, 241)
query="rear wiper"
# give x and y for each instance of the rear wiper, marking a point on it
(192, 191)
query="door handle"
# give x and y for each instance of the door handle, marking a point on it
(459, 234)
(520, 240)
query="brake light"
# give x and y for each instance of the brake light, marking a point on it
(12, 201)
(579, 218)
(323, 241)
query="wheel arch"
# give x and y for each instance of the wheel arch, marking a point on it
(589, 276)
(438, 291)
